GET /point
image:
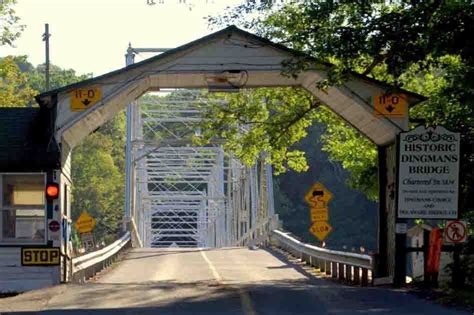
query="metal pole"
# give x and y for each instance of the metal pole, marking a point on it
(46, 36)
(129, 59)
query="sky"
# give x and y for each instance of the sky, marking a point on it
(91, 36)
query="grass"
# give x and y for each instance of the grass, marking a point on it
(457, 297)
(445, 295)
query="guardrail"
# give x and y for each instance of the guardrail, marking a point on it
(88, 265)
(259, 233)
(348, 267)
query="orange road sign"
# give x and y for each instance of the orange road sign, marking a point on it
(321, 230)
(390, 105)
(82, 99)
(318, 196)
(85, 223)
(319, 214)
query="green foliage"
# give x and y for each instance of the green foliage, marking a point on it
(10, 29)
(98, 178)
(15, 86)
(98, 163)
(58, 77)
(349, 211)
(262, 120)
(354, 151)
(424, 46)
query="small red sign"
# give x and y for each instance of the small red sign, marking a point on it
(54, 226)
(456, 231)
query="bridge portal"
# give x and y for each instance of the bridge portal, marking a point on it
(225, 60)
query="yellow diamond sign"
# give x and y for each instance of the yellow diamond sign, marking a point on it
(85, 223)
(321, 230)
(318, 196)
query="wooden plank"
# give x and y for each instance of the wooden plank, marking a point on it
(341, 272)
(348, 273)
(365, 278)
(356, 275)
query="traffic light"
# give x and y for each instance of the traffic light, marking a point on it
(52, 191)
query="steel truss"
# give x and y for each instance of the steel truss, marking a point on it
(189, 196)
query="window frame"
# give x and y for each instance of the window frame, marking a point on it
(8, 242)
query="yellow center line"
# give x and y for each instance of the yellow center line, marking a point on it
(245, 300)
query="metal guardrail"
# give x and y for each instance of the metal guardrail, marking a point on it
(348, 267)
(88, 265)
(260, 233)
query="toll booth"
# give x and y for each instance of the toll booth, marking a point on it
(35, 215)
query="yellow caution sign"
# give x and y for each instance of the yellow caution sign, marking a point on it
(319, 214)
(38, 256)
(390, 105)
(85, 223)
(318, 196)
(320, 229)
(82, 99)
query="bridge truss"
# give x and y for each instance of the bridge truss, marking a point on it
(185, 195)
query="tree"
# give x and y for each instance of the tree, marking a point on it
(99, 180)
(58, 77)
(423, 46)
(10, 29)
(264, 120)
(15, 87)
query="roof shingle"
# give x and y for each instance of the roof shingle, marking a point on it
(26, 140)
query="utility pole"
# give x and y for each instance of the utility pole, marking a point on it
(46, 36)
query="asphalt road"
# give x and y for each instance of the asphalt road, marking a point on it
(225, 281)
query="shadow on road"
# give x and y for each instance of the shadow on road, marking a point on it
(305, 295)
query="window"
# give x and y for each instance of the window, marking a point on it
(22, 208)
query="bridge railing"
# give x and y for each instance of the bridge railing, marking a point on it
(88, 265)
(259, 233)
(348, 267)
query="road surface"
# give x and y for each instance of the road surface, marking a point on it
(224, 281)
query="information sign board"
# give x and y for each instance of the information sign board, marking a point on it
(428, 177)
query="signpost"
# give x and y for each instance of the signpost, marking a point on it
(84, 225)
(318, 197)
(428, 174)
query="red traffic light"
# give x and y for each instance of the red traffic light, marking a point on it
(52, 191)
